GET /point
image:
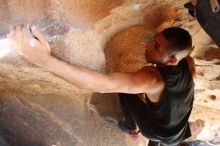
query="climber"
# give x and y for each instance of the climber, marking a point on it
(162, 116)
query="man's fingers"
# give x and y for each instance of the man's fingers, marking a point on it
(12, 32)
(15, 36)
(26, 33)
(18, 32)
(11, 37)
(38, 34)
(41, 38)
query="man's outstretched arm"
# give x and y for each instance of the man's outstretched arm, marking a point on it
(142, 81)
(146, 80)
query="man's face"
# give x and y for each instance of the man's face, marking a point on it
(157, 49)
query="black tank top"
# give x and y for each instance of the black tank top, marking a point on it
(170, 116)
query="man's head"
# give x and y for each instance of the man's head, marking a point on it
(169, 46)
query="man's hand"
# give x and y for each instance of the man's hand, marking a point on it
(37, 51)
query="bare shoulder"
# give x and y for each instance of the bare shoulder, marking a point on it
(150, 71)
(191, 64)
(190, 60)
(152, 77)
(156, 82)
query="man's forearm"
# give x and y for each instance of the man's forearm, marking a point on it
(82, 77)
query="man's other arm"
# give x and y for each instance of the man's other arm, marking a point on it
(191, 64)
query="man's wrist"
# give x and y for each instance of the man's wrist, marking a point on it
(48, 62)
(52, 64)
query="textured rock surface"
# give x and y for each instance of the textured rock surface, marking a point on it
(38, 108)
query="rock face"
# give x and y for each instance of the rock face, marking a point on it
(40, 109)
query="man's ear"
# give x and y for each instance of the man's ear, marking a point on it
(171, 61)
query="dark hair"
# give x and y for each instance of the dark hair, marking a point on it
(180, 39)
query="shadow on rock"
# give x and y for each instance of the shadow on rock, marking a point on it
(107, 106)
